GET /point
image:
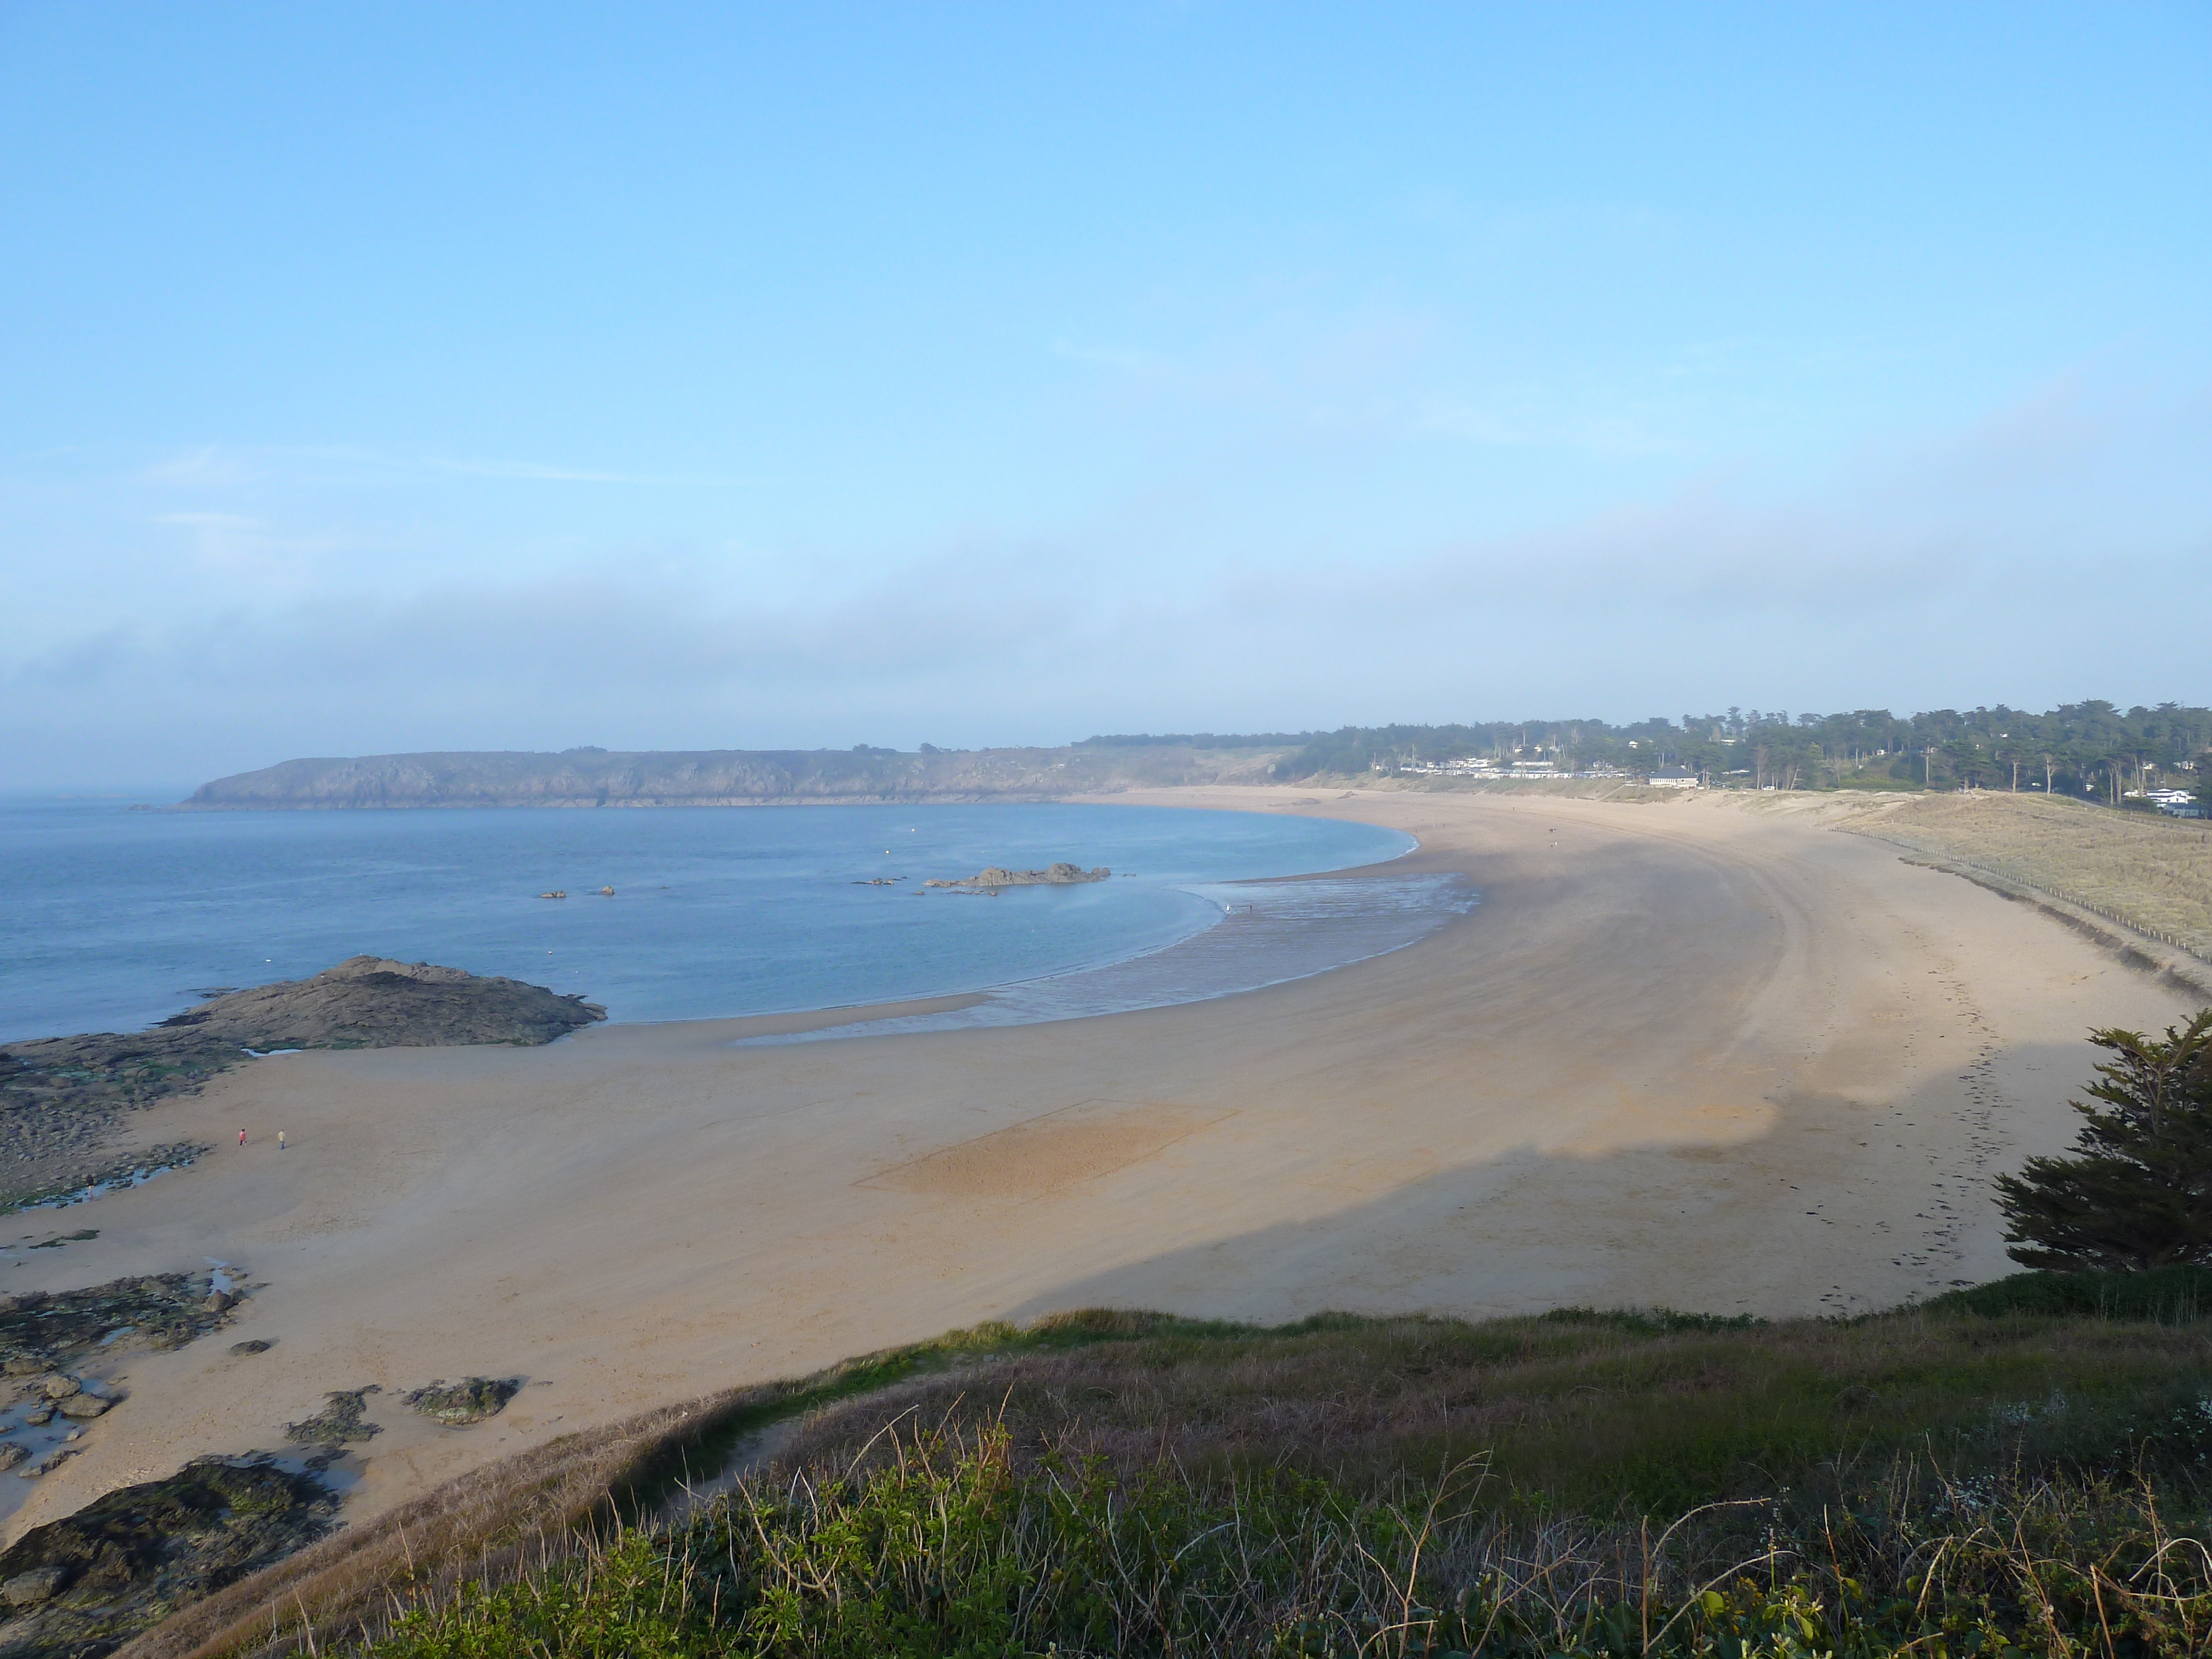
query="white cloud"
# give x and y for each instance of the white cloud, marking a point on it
(2015, 560)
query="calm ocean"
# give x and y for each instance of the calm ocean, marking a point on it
(112, 919)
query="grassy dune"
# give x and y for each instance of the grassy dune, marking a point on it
(2153, 873)
(2017, 1469)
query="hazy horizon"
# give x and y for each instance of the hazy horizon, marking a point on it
(421, 379)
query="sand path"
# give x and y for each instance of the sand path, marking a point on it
(1694, 1054)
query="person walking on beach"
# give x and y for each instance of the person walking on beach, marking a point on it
(279, 1140)
(241, 1137)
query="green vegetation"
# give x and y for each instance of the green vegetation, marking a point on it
(2091, 750)
(2137, 1191)
(2014, 1468)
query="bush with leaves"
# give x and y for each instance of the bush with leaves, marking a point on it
(2136, 1192)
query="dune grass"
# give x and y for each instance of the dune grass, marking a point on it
(2018, 1467)
(946, 1546)
(2152, 872)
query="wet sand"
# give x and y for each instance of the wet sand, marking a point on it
(1697, 1055)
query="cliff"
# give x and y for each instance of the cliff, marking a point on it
(725, 777)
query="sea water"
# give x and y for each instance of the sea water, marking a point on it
(112, 919)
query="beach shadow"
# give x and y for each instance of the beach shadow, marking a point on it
(1832, 1205)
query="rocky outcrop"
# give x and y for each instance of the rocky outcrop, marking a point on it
(1058, 875)
(44, 1332)
(341, 1419)
(86, 1584)
(472, 1399)
(59, 1096)
(371, 1002)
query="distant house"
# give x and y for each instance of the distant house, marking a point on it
(1673, 777)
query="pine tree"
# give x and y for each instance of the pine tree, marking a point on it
(2137, 1191)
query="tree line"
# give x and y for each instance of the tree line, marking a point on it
(2092, 748)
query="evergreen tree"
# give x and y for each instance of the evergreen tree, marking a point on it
(2137, 1191)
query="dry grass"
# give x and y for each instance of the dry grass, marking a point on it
(939, 1545)
(522, 1513)
(1591, 1411)
(1578, 1425)
(2153, 873)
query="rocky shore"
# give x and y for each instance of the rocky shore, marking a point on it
(60, 1097)
(82, 1585)
(43, 1331)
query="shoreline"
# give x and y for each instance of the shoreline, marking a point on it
(1699, 1056)
(759, 919)
(905, 1014)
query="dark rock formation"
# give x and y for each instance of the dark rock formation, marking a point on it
(86, 1584)
(44, 1332)
(1060, 875)
(369, 1002)
(339, 1421)
(59, 1096)
(472, 1399)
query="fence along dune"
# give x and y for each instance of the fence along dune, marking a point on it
(2145, 870)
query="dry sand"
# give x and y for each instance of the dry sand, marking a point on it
(1689, 1054)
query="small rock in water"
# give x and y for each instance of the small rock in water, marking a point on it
(40, 1417)
(82, 1408)
(57, 1387)
(255, 1345)
(11, 1453)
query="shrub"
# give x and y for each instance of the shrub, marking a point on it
(2137, 1191)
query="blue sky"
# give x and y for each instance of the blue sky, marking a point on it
(465, 377)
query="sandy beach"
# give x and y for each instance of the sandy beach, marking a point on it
(1696, 1054)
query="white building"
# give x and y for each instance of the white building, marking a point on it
(1673, 777)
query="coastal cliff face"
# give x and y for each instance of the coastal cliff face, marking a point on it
(723, 777)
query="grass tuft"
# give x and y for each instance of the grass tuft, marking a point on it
(1980, 1474)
